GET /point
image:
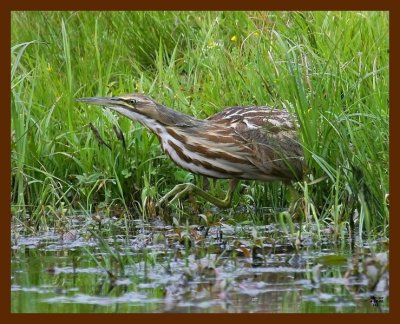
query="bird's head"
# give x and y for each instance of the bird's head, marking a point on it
(142, 108)
(134, 106)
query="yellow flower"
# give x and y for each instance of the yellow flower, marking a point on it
(234, 38)
(256, 34)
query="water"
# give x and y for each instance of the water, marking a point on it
(220, 268)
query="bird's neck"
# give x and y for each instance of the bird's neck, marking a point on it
(162, 118)
(169, 117)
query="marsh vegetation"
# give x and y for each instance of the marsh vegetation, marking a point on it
(70, 164)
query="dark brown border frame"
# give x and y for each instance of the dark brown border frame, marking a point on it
(5, 170)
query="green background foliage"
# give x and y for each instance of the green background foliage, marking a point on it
(329, 68)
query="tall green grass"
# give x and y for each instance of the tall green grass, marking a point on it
(329, 68)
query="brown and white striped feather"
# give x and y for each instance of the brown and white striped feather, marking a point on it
(239, 142)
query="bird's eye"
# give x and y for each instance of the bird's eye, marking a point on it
(132, 102)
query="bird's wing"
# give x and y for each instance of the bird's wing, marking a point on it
(270, 135)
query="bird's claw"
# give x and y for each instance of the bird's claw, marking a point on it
(177, 192)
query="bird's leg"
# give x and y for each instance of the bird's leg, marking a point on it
(183, 189)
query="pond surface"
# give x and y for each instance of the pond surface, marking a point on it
(193, 268)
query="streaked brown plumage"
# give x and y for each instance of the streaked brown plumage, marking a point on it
(258, 143)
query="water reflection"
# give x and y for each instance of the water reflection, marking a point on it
(196, 269)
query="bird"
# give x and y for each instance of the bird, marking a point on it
(237, 143)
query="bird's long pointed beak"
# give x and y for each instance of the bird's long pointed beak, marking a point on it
(100, 101)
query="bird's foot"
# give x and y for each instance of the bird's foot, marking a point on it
(181, 190)
(177, 192)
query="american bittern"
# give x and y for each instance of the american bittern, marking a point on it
(250, 143)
